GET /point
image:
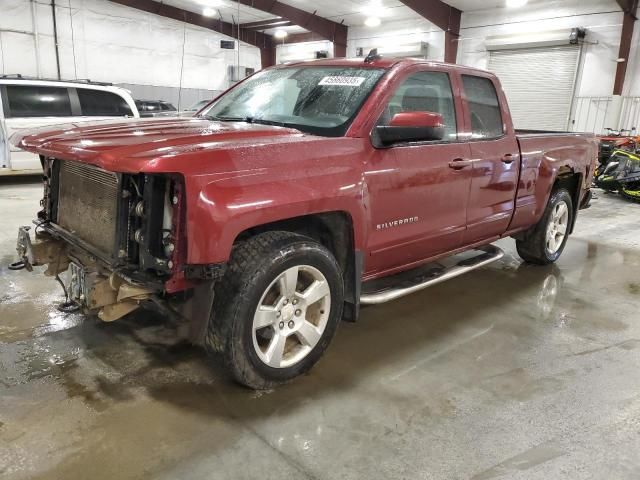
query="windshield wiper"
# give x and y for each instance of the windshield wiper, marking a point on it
(260, 121)
(226, 119)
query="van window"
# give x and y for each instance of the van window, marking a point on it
(147, 106)
(38, 101)
(98, 103)
(486, 117)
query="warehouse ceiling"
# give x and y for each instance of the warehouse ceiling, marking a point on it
(351, 12)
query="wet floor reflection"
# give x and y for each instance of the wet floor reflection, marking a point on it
(492, 363)
(144, 349)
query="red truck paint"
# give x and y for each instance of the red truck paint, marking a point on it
(239, 176)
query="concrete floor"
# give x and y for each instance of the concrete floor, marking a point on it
(512, 372)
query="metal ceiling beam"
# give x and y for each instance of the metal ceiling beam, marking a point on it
(302, 38)
(629, 8)
(266, 24)
(261, 40)
(445, 17)
(323, 27)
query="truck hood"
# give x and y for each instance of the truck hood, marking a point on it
(128, 145)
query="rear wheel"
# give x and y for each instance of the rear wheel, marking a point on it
(277, 308)
(546, 241)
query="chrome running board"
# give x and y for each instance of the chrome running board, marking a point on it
(490, 254)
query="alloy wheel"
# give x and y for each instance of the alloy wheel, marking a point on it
(557, 227)
(291, 316)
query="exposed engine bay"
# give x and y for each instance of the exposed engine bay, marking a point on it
(117, 234)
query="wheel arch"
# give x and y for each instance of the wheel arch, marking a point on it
(335, 231)
(571, 180)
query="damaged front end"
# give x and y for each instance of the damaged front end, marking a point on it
(116, 235)
(90, 287)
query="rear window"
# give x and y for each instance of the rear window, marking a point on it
(486, 117)
(98, 103)
(168, 107)
(38, 101)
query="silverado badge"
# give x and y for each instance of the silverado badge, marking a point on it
(396, 223)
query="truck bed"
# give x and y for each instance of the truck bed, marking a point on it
(550, 133)
(547, 133)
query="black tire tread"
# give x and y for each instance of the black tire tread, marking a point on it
(243, 256)
(249, 260)
(532, 249)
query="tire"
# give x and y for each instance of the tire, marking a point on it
(267, 328)
(537, 247)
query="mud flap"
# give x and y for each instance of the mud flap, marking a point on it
(353, 288)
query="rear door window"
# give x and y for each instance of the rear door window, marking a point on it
(484, 107)
(38, 101)
(98, 103)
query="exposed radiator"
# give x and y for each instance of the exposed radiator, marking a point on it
(88, 204)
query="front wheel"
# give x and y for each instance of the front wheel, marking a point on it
(546, 241)
(277, 308)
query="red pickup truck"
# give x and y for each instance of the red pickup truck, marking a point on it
(296, 196)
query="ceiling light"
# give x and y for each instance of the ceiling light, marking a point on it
(372, 22)
(209, 12)
(212, 3)
(280, 33)
(516, 3)
(375, 8)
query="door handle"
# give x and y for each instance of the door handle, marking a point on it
(460, 163)
(507, 158)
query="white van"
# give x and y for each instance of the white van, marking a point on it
(30, 103)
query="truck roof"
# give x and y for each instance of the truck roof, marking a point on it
(381, 62)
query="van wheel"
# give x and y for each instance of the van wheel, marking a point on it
(276, 309)
(546, 241)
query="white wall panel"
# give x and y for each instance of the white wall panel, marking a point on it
(632, 82)
(591, 114)
(18, 52)
(602, 18)
(107, 42)
(403, 32)
(47, 57)
(15, 15)
(301, 51)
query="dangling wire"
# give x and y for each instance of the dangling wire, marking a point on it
(64, 289)
(67, 306)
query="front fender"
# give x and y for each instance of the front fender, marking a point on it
(219, 211)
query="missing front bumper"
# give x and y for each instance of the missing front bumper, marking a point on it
(93, 289)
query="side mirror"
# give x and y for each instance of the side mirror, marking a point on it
(412, 127)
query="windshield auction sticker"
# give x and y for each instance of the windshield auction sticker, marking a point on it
(343, 81)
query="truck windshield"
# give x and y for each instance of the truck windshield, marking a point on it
(317, 100)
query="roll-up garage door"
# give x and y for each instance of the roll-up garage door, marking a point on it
(539, 84)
